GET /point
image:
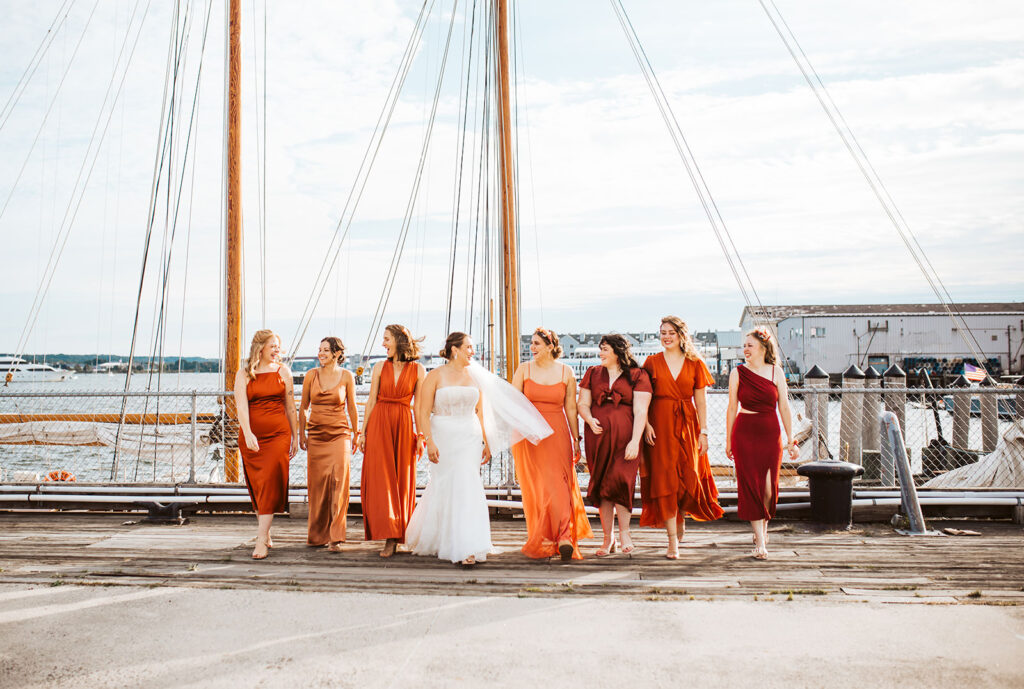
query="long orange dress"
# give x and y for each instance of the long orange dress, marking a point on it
(388, 487)
(328, 454)
(676, 478)
(266, 471)
(552, 503)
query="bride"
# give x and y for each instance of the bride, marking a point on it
(464, 413)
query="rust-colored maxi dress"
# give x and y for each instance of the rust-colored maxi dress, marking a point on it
(266, 471)
(328, 454)
(675, 478)
(612, 477)
(756, 446)
(552, 503)
(388, 488)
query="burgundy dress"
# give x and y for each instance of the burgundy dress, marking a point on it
(611, 476)
(756, 446)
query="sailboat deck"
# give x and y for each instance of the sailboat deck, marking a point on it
(870, 562)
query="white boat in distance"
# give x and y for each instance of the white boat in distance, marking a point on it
(26, 372)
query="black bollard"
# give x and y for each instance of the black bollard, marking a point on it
(831, 485)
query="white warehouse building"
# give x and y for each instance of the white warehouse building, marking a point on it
(910, 335)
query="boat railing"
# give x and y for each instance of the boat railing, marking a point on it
(955, 438)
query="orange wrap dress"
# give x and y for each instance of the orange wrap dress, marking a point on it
(388, 487)
(552, 503)
(328, 454)
(676, 478)
(266, 471)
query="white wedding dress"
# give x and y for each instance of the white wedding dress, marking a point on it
(451, 520)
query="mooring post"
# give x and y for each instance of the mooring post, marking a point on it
(851, 425)
(989, 415)
(816, 404)
(961, 413)
(872, 407)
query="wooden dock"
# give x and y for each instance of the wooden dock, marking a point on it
(868, 563)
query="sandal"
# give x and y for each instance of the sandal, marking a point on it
(602, 552)
(255, 552)
(390, 545)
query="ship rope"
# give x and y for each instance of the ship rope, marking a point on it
(344, 224)
(707, 201)
(36, 60)
(874, 180)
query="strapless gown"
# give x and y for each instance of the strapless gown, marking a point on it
(451, 520)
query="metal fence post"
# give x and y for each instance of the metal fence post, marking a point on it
(989, 416)
(961, 414)
(816, 405)
(192, 444)
(852, 419)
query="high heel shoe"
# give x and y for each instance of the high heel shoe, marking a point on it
(601, 552)
(565, 551)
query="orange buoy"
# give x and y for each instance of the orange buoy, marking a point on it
(60, 475)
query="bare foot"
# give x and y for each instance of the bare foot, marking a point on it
(469, 561)
(389, 547)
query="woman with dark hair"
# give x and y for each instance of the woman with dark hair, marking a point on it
(464, 412)
(676, 477)
(267, 429)
(614, 397)
(555, 516)
(756, 389)
(325, 433)
(388, 441)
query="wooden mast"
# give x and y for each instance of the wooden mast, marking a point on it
(233, 248)
(510, 262)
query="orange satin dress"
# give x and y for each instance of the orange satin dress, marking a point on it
(388, 486)
(328, 454)
(552, 503)
(676, 478)
(266, 471)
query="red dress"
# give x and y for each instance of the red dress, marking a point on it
(611, 476)
(388, 484)
(266, 471)
(552, 503)
(756, 446)
(675, 478)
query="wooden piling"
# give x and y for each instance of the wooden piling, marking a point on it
(989, 416)
(816, 405)
(896, 402)
(872, 408)
(961, 413)
(851, 423)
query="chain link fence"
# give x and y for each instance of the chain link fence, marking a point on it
(956, 438)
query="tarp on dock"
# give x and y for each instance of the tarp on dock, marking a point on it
(1001, 468)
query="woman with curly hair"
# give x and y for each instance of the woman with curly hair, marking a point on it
(555, 516)
(388, 441)
(676, 479)
(614, 397)
(756, 389)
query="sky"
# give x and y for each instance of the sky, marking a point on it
(612, 234)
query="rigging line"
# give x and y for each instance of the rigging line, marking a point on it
(66, 224)
(874, 180)
(264, 160)
(693, 169)
(260, 181)
(396, 258)
(473, 189)
(483, 159)
(457, 201)
(34, 62)
(356, 191)
(49, 109)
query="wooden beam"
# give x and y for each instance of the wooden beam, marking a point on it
(506, 161)
(233, 248)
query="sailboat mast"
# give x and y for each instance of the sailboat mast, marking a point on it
(233, 221)
(510, 262)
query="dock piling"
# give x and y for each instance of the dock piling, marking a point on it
(851, 426)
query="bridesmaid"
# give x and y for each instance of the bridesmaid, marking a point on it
(389, 442)
(555, 516)
(329, 393)
(619, 392)
(268, 424)
(753, 441)
(676, 478)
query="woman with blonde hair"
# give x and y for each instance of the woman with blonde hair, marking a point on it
(389, 442)
(556, 519)
(268, 430)
(329, 395)
(676, 479)
(756, 389)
